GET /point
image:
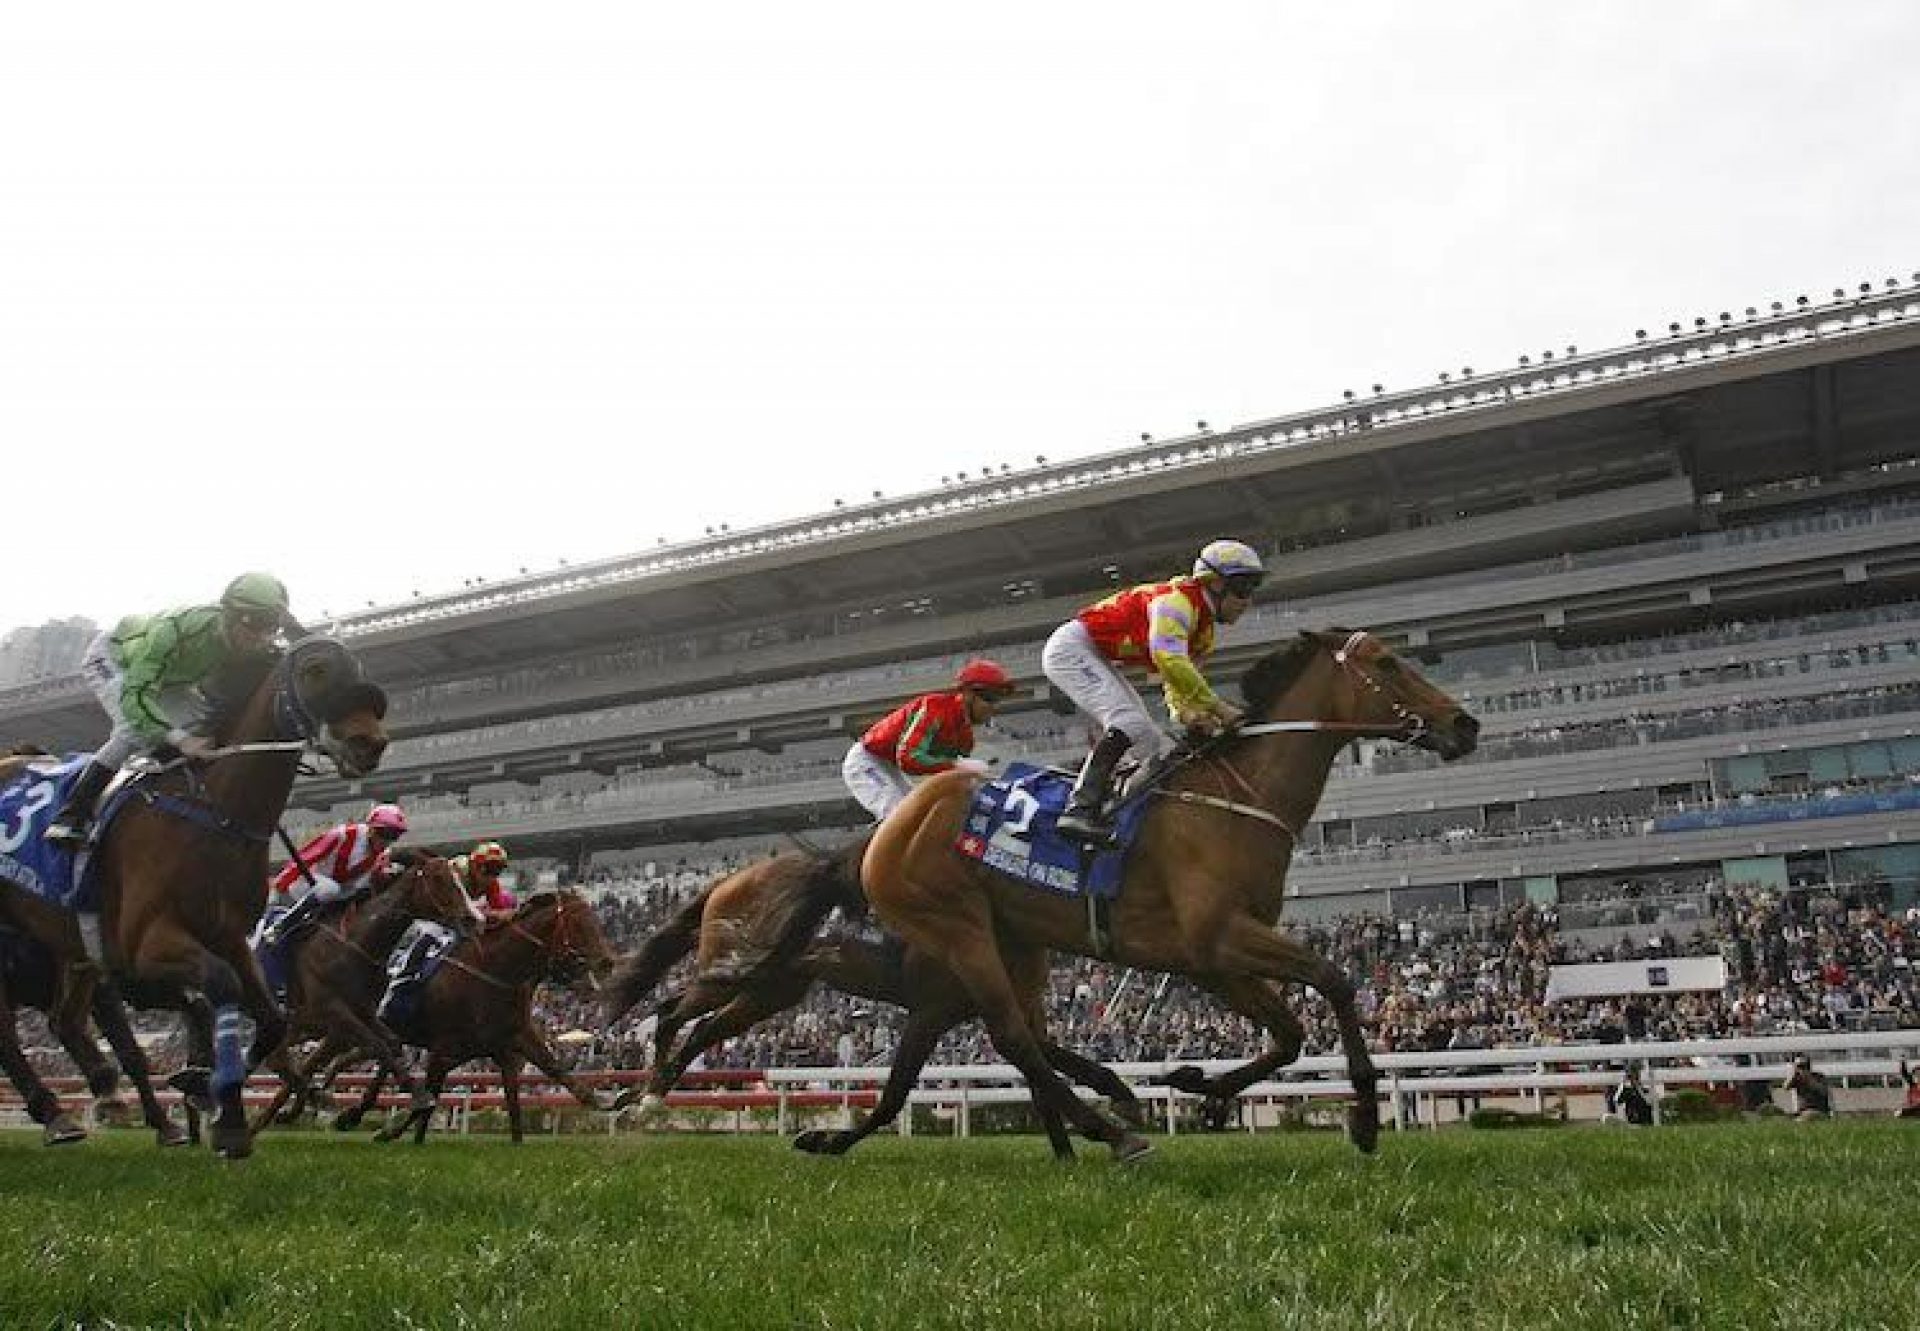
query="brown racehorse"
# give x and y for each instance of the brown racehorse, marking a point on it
(183, 867)
(1203, 884)
(337, 968)
(730, 992)
(29, 977)
(479, 1004)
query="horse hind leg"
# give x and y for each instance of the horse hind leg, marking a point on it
(917, 1043)
(970, 951)
(57, 1126)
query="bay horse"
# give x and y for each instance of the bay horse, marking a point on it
(337, 969)
(183, 866)
(1203, 885)
(479, 1004)
(741, 980)
(30, 977)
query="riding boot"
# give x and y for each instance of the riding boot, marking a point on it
(298, 916)
(69, 827)
(1084, 820)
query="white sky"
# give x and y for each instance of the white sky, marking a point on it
(385, 296)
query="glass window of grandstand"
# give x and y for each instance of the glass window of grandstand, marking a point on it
(1440, 900)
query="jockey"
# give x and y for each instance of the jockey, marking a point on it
(932, 733)
(145, 671)
(478, 872)
(1166, 628)
(339, 862)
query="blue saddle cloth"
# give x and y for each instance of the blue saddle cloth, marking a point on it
(409, 971)
(1010, 829)
(275, 964)
(28, 804)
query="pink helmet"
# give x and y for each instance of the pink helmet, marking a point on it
(388, 818)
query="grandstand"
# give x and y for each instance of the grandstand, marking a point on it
(1679, 582)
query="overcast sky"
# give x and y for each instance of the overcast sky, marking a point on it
(384, 297)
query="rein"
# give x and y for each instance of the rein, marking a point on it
(513, 926)
(1411, 727)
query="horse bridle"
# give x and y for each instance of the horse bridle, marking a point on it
(572, 960)
(1411, 727)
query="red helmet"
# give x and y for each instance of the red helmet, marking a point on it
(488, 855)
(980, 673)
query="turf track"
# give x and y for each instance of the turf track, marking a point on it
(1742, 1225)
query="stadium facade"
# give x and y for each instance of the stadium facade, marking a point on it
(1679, 581)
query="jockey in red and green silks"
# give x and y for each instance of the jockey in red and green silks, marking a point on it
(146, 669)
(928, 734)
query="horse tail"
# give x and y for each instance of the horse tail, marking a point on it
(793, 908)
(643, 968)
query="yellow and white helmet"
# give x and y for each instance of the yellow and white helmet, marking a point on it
(1234, 563)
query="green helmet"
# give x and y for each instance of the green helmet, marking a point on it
(255, 591)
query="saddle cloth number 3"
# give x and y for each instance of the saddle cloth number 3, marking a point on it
(38, 798)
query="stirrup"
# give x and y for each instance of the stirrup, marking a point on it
(1089, 830)
(70, 833)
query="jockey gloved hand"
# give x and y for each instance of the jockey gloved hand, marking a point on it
(977, 766)
(192, 746)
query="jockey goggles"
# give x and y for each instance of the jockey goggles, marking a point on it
(1242, 585)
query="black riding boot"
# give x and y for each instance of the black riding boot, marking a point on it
(69, 828)
(298, 916)
(1085, 818)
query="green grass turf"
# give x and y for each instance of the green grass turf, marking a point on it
(1737, 1225)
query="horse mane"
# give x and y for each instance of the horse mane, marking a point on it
(1277, 671)
(409, 857)
(232, 686)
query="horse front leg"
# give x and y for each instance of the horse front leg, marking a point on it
(57, 1126)
(1259, 1001)
(1250, 947)
(509, 1065)
(530, 1045)
(110, 1015)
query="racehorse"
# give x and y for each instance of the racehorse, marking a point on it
(29, 977)
(479, 1004)
(1202, 887)
(337, 968)
(183, 866)
(740, 981)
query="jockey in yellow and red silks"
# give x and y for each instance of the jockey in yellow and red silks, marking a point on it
(1167, 629)
(478, 872)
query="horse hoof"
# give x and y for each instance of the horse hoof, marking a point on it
(346, 1123)
(63, 1129)
(110, 1111)
(171, 1134)
(232, 1143)
(627, 1095)
(819, 1141)
(196, 1085)
(652, 1109)
(1131, 1149)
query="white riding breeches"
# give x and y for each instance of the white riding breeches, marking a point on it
(1079, 669)
(322, 888)
(102, 675)
(878, 786)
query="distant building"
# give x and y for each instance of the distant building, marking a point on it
(49, 651)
